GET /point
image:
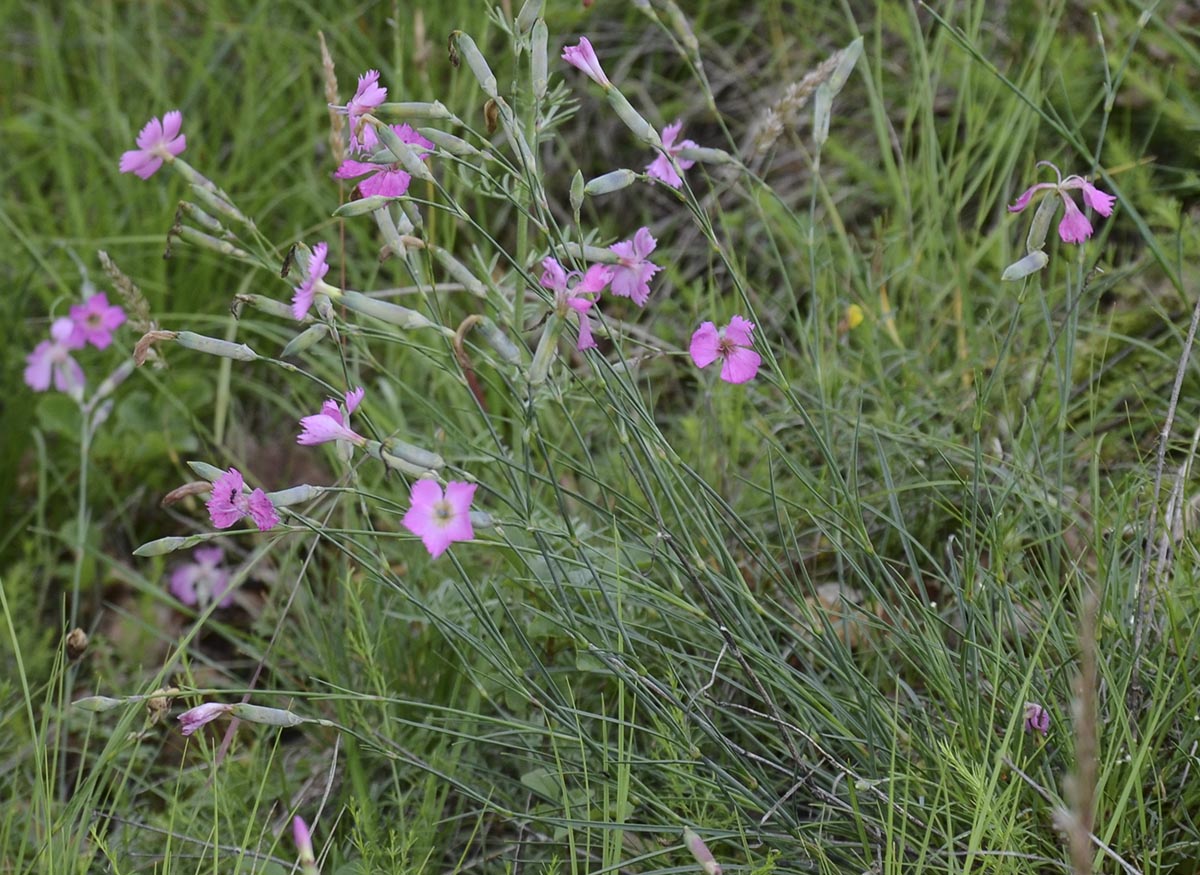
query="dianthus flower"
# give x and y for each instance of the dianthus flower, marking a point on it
(158, 141)
(203, 581)
(661, 167)
(194, 718)
(583, 57)
(228, 503)
(95, 321)
(368, 96)
(631, 276)
(1074, 227)
(330, 424)
(576, 292)
(51, 360)
(317, 268)
(731, 344)
(1037, 718)
(389, 180)
(440, 520)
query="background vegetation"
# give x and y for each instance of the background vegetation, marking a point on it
(803, 616)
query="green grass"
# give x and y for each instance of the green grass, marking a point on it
(801, 616)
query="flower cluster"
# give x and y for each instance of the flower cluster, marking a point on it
(631, 277)
(90, 323)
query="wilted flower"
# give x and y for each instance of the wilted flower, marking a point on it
(661, 167)
(203, 581)
(440, 520)
(368, 96)
(317, 268)
(157, 142)
(331, 424)
(194, 718)
(387, 180)
(731, 344)
(95, 321)
(1074, 227)
(51, 360)
(583, 57)
(229, 503)
(631, 276)
(575, 292)
(1037, 718)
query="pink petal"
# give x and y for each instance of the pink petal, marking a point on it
(660, 168)
(586, 341)
(423, 496)
(38, 365)
(388, 183)
(193, 719)
(583, 57)
(68, 375)
(1023, 201)
(208, 555)
(1074, 227)
(1099, 201)
(262, 511)
(670, 132)
(643, 243)
(351, 169)
(151, 135)
(353, 398)
(322, 428)
(685, 163)
(739, 330)
(740, 365)
(705, 345)
(172, 122)
(222, 504)
(302, 300)
(183, 584)
(553, 275)
(596, 278)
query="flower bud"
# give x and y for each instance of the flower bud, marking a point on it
(610, 182)
(403, 152)
(633, 120)
(393, 314)
(1036, 238)
(212, 346)
(305, 340)
(421, 110)
(211, 473)
(700, 851)
(414, 455)
(265, 716)
(538, 55)
(1030, 264)
(577, 191)
(459, 271)
(363, 206)
(301, 494)
(97, 704)
(449, 143)
(263, 304)
(531, 12)
(470, 53)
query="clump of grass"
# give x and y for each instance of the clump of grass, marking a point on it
(798, 618)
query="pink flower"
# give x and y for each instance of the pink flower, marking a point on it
(330, 424)
(388, 180)
(631, 277)
(576, 293)
(52, 359)
(440, 520)
(583, 57)
(661, 167)
(368, 96)
(157, 141)
(194, 718)
(1037, 718)
(94, 321)
(731, 344)
(303, 839)
(228, 503)
(317, 268)
(1074, 227)
(202, 581)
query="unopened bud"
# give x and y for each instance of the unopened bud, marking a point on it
(301, 494)
(459, 271)
(363, 206)
(97, 704)
(449, 143)
(633, 120)
(265, 716)
(212, 346)
(211, 473)
(393, 314)
(470, 53)
(270, 306)
(700, 851)
(531, 11)
(421, 110)
(538, 55)
(708, 156)
(414, 455)
(306, 339)
(499, 341)
(1036, 238)
(1030, 264)
(610, 182)
(577, 191)
(403, 152)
